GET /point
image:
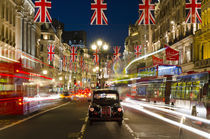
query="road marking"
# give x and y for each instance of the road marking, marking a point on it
(26, 119)
(129, 129)
(126, 119)
(82, 131)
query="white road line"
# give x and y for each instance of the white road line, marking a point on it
(129, 129)
(126, 119)
(26, 119)
(82, 131)
(86, 119)
(83, 128)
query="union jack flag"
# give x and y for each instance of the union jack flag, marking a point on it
(193, 11)
(96, 57)
(64, 61)
(73, 53)
(147, 12)
(42, 15)
(86, 68)
(116, 52)
(99, 16)
(81, 63)
(70, 64)
(51, 53)
(138, 50)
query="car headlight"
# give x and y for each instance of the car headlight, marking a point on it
(119, 109)
(91, 109)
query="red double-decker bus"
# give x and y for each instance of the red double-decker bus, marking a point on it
(20, 89)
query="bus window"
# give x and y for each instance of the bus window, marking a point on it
(173, 90)
(195, 90)
(179, 90)
(188, 90)
(183, 90)
(162, 90)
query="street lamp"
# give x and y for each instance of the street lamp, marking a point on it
(94, 47)
(99, 43)
(45, 72)
(60, 78)
(105, 47)
(97, 68)
(99, 46)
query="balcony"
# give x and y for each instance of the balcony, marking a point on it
(202, 63)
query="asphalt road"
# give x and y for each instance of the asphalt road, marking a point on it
(66, 123)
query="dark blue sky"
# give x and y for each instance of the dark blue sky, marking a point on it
(76, 14)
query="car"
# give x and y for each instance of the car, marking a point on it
(105, 106)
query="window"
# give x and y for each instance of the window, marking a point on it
(41, 48)
(205, 51)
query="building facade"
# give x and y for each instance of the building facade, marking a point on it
(202, 40)
(171, 30)
(17, 36)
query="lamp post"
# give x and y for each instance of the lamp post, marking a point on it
(102, 47)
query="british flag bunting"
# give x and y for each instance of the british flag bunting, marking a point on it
(51, 53)
(193, 11)
(42, 14)
(116, 52)
(99, 17)
(138, 49)
(147, 12)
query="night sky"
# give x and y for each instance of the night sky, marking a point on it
(76, 14)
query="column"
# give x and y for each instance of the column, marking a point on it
(33, 41)
(29, 37)
(25, 28)
(19, 34)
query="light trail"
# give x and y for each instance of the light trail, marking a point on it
(9, 59)
(169, 111)
(34, 99)
(125, 80)
(180, 125)
(145, 56)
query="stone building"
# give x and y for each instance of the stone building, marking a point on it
(17, 31)
(202, 40)
(137, 35)
(170, 29)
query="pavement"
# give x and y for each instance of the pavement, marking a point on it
(70, 122)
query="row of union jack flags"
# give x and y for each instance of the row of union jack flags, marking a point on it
(146, 12)
(73, 57)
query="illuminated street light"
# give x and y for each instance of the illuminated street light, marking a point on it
(99, 43)
(60, 78)
(94, 70)
(94, 47)
(45, 72)
(97, 68)
(105, 47)
(172, 22)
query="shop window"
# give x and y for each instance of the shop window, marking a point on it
(205, 52)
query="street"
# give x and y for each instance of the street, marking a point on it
(66, 122)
